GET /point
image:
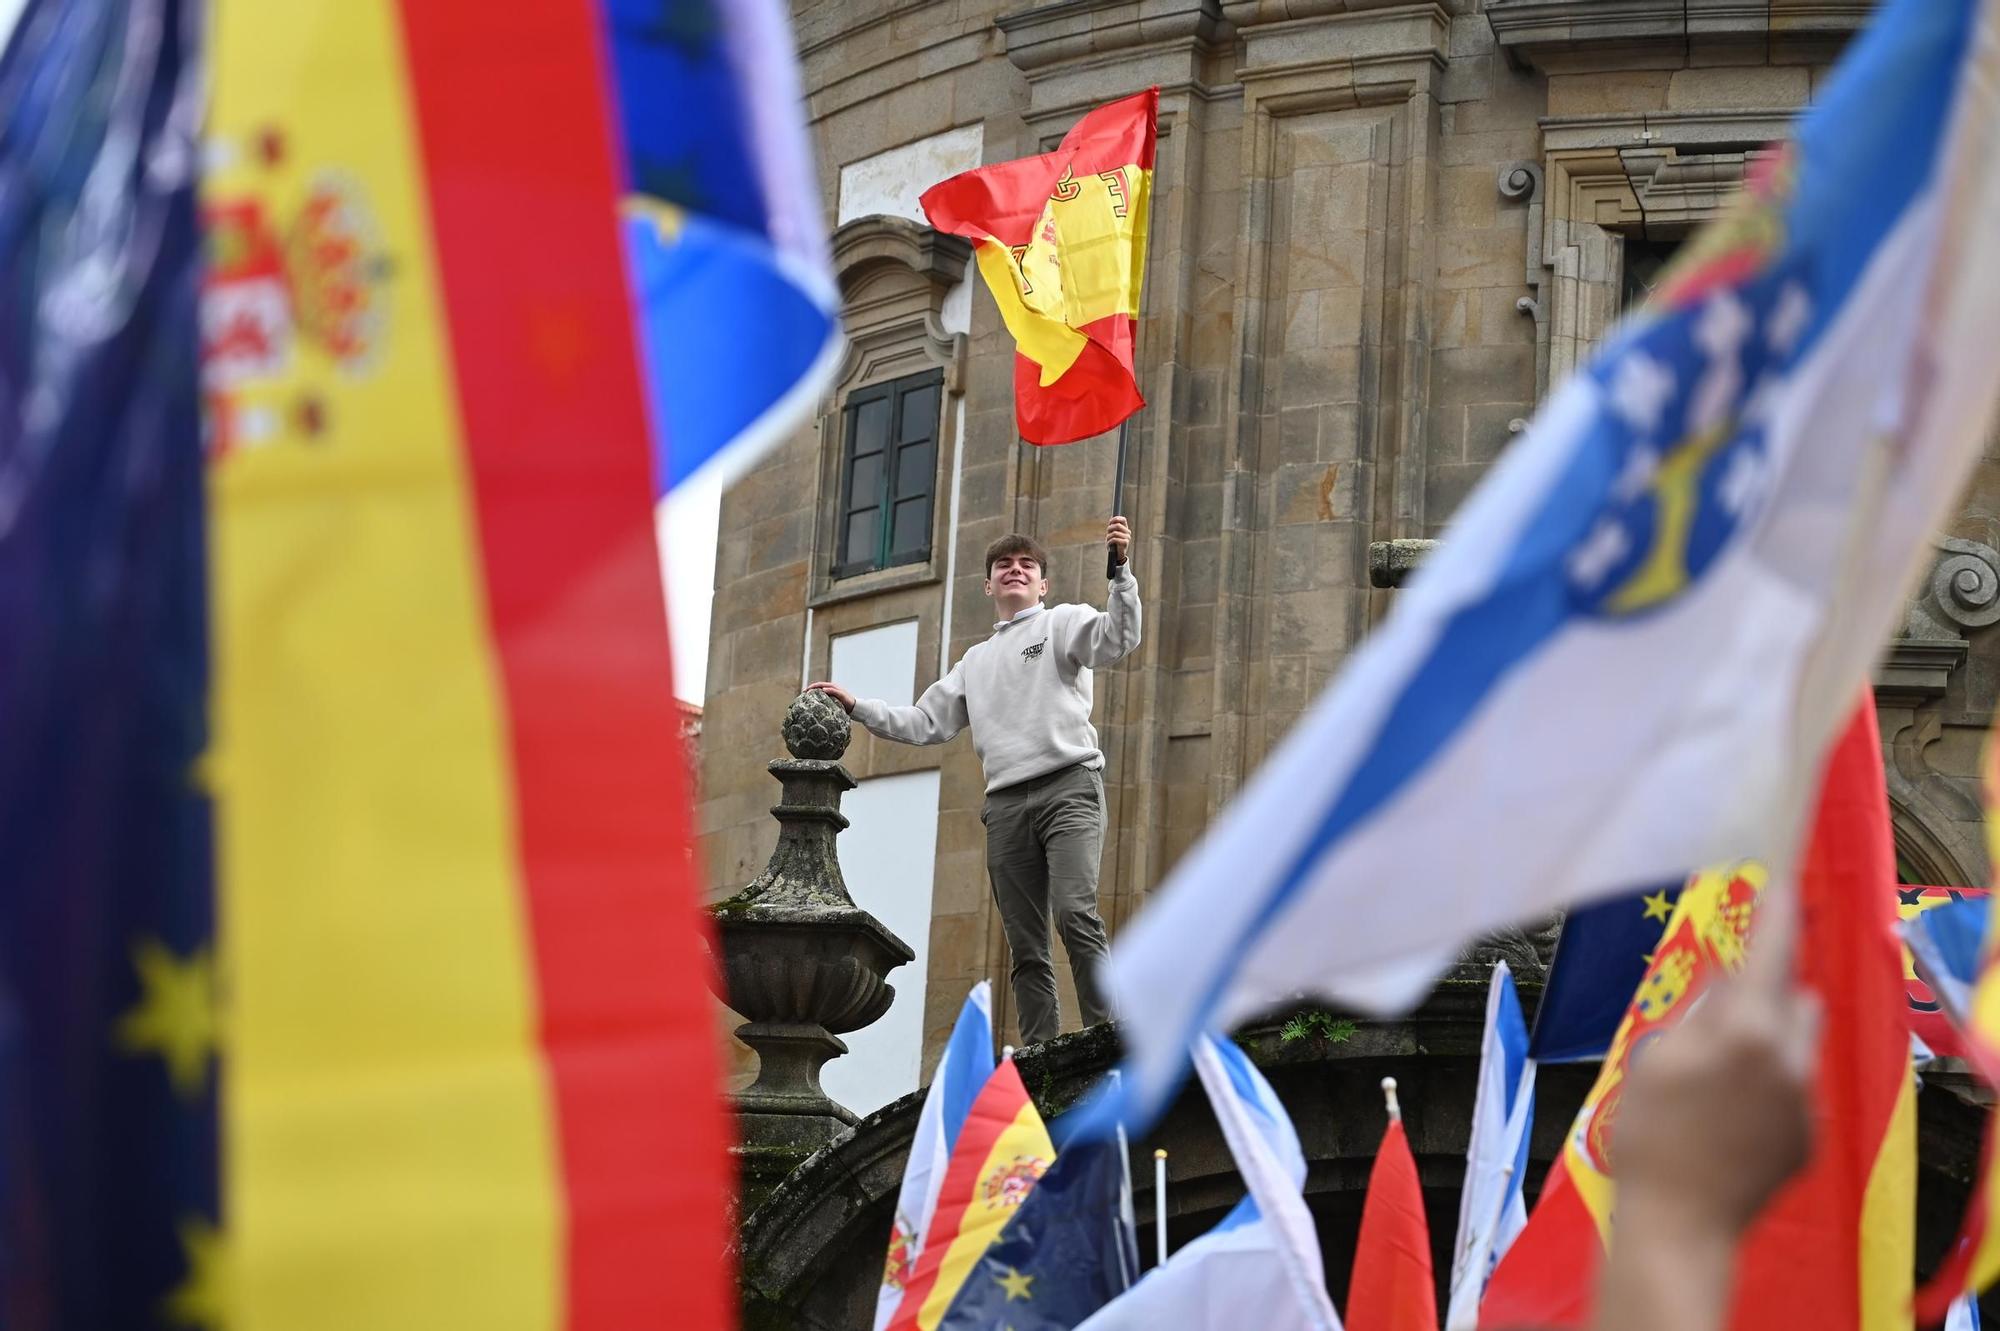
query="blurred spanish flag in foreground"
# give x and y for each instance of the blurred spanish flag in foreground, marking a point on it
(1836, 1247)
(468, 1065)
(1061, 241)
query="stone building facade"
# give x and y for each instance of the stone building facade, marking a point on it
(1380, 232)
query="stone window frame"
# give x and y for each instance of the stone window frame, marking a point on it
(894, 275)
(1603, 178)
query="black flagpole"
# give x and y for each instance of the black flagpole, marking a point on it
(1111, 559)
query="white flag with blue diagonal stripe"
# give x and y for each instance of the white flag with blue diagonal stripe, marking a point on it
(1491, 1207)
(1261, 1264)
(1635, 643)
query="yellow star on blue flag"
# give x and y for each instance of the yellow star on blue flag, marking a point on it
(175, 1015)
(1601, 958)
(201, 1300)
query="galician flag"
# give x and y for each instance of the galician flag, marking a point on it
(1491, 1211)
(1261, 1265)
(1643, 630)
(1061, 241)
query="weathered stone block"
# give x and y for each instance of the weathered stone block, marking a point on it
(1482, 374)
(1467, 199)
(1308, 493)
(1294, 566)
(1488, 429)
(1298, 435)
(1615, 92)
(1738, 89)
(1309, 622)
(1321, 374)
(1445, 488)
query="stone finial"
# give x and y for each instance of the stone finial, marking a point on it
(799, 959)
(816, 727)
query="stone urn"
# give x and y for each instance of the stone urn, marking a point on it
(799, 959)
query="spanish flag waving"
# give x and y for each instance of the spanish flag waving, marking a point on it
(1001, 1154)
(1061, 241)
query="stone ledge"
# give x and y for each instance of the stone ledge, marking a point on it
(1539, 34)
(1075, 29)
(1390, 563)
(868, 242)
(1347, 41)
(1916, 670)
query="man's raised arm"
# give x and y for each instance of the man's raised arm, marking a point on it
(936, 717)
(1099, 638)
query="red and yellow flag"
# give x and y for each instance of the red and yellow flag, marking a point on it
(1835, 1249)
(469, 1072)
(1061, 241)
(1549, 1276)
(1002, 1152)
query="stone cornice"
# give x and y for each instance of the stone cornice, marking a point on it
(1069, 30)
(1748, 128)
(1370, 45)
(1539, 33)
(866, 242)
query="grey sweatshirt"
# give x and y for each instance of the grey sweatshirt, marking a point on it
(1025, 691)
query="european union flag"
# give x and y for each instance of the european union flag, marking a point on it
(109, 1197)
(1068, 1251)
(1599, 961)
(738, 312)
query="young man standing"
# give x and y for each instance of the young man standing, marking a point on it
(1025, 693)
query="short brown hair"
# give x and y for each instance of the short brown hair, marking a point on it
(1014, 543)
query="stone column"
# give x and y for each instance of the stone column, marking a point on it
(799, 958)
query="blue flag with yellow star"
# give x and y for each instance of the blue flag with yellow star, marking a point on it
(1067, 1252)
(109, 1198)
(738, 313)
(1599, 961)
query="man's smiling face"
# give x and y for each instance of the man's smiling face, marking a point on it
(1015, 582)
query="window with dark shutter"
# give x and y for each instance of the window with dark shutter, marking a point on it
(888, 467)
(1646, 262)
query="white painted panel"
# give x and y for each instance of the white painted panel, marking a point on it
(878, 663)
(685, 523)
(888, 855)
(955, 310)
(889, 182)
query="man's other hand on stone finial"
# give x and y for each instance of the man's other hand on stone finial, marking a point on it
(835, 692)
